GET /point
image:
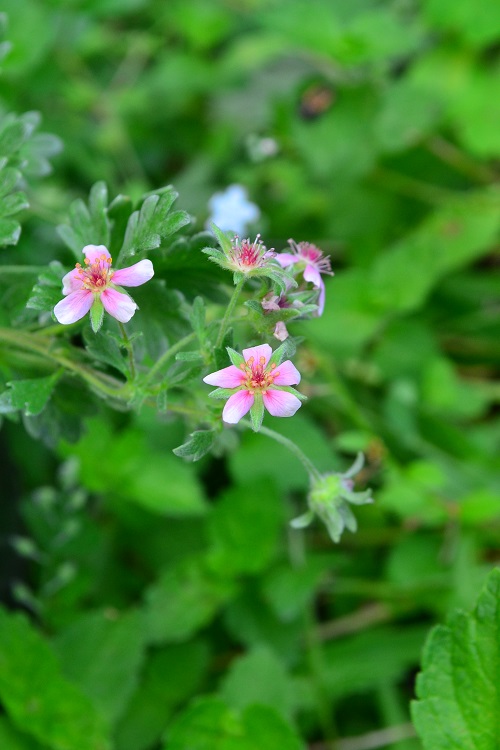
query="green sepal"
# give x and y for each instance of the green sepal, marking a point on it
(302, 521)
(236, 358)
(285, 351)
(257, 412)
(223, 392)
(223, 237)
(96, 314)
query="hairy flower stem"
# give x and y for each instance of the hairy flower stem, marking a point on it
(169, 354)
(291, 446)
(130, 349)
(229, 312)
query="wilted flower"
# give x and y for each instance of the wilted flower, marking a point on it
(329, 498)
(95, 287)
(231, 210)
(310, 260)
(255, 380)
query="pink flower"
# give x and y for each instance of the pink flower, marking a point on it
(94, 288)
(258, 380)
(312, 262)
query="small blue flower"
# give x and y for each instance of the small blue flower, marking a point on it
(231, 210)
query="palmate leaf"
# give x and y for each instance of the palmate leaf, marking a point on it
(152, 223)
(458, 706)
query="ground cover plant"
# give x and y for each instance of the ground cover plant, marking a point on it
(249, 363)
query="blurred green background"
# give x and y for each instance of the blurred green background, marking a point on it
(371, 129)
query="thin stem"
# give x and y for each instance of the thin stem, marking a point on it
(462, 162)
(130, 350)
(169, 354)
(107, 385)
(229, 312)
(291, 446)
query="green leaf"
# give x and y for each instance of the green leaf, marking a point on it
(12, 739)
(151, 224)
(224, 238)
(47, 292)
(245, 526)
(458, 706)
(102, 652)
(258, 677)
(172, 674)
(197, 318)
(10, 231)
(209, 724)
(236, 358)
(198, 445)
(87, 225)
(285, 351)
(185, 598)
(37, 697)
(31, 396)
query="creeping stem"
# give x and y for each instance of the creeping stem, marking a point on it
(229, 312)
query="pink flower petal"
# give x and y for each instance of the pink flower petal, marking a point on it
(281, 403)
(321, 299)
(263, 350)
(312, 274)
(287, 374)
(134, 275)
(118, 304)
(229, 377)
(286, 259)
(237, 406)
(74, 306)
(94, 252)
(72, 282)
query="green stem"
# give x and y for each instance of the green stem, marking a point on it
(291, 446)
(105, 384)
(229, 312)
(169, 354)
(130, 349)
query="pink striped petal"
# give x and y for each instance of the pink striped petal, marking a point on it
(118, 304)
(312, 274)
(134, 275)
(229, 377)
(94, 252)
(237, 406)
(287, 374)
(263, 350)
(72, 282)
(281, 403)
(286, 259)
(74, 306)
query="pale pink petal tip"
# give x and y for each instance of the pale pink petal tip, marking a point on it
(287, 374)
(72, 282)
(134, 275)
(286, 259)
(73, 307)
(281, 403)
(263, 350)
(118, 304)
(313, 275)
(93, 252)
(229, 377)
(237, 406)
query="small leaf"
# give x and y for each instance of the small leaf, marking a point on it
(32, 395)
(96, 314)
(236, 358)
(458, 689)
(197, 318)
(224, 238)
(197, 446)
(257, 412)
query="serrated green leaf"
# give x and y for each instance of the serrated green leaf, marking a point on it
(103, 653)
(197, 318)
(12, 204)
(184, 599)
(37, 697)
(209, 724)
(87, 225)
(12, 136)
(197, 446)
(31, 396)
(10, 231)
(458, 706)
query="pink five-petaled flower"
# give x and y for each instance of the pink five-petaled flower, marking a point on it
(314, 264)
(93, 288)
(257, 382)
